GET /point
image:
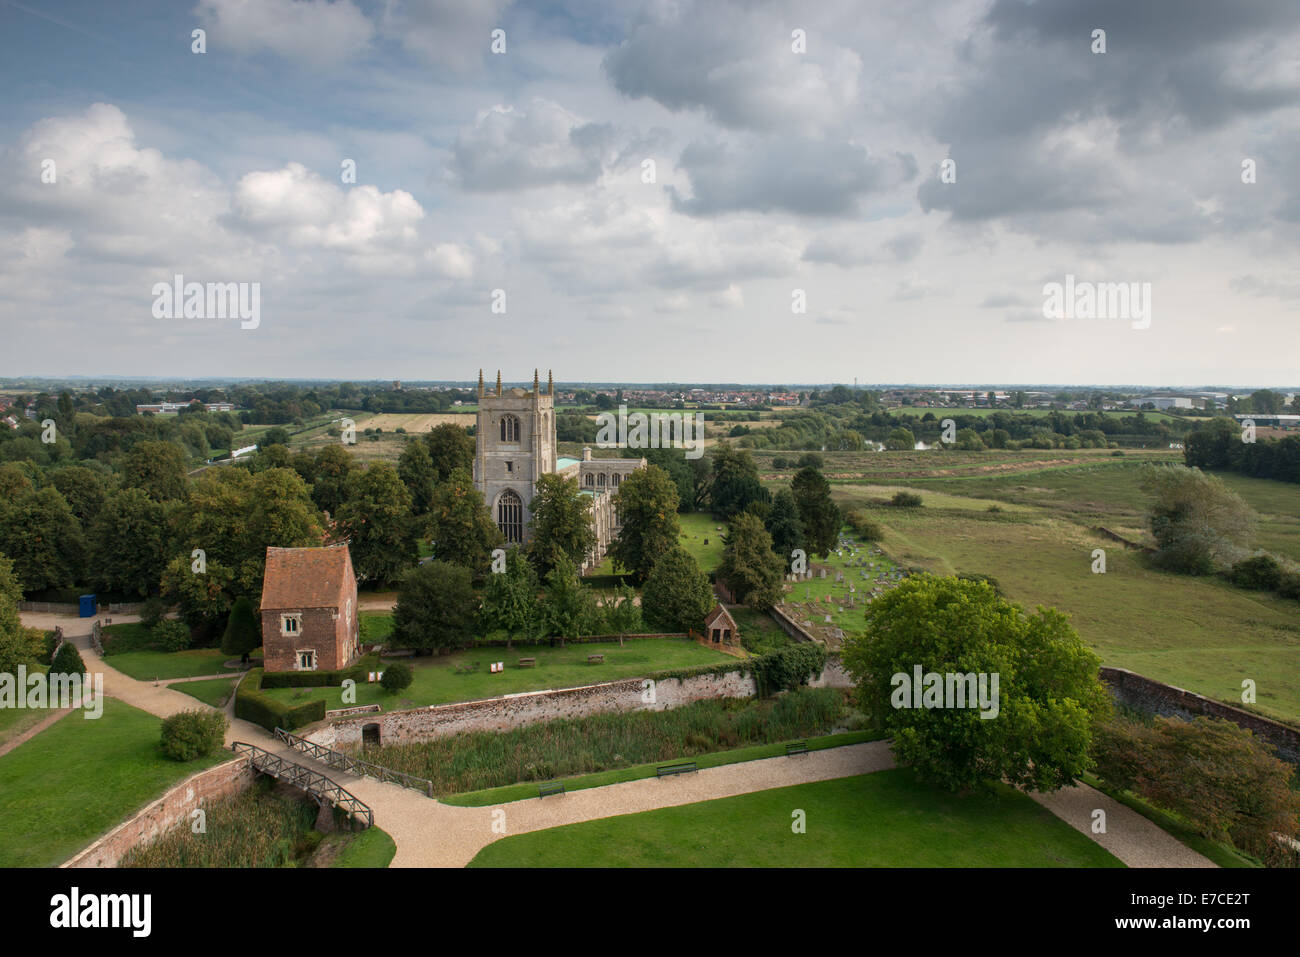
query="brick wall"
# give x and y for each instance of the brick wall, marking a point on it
(1151, 697)
(518, 710)
(328, 636)
(173, 807)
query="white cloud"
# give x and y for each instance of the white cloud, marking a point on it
(310, 32)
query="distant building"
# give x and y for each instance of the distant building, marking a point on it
(720, 628)
(168, 408)
(309, 609)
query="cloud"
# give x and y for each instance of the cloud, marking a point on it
(851, 248)
(309, 32)
(450, 34)
(544, 144)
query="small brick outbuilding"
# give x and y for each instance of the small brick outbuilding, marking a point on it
(309, 609)
(720, 627)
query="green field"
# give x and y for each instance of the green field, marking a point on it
(213, 691)
(437, 681)
(162, 665)
(885, 819)
(78, 779)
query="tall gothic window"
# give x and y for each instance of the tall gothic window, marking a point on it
(509, 428)
(510, 515)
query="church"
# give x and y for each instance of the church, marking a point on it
(515, 446)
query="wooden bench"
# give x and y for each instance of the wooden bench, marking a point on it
(796, 747)
(682, 768)
(527, 662)
(592, 659)
(549, 788)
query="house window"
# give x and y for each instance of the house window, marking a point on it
(290, 624)
(509, 428)
(306, 661)
(510, 515)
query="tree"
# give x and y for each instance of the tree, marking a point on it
(450, 449)
(900, 440)
(67, 661)
(561, 523)
(1198, 522)
(243, 630)
(1040, 712)
(436, 609)
(620, 613)
(784, 526)
(18, 645)
(204, 597)
(750, 568)
(84, 490)
(646, 503)
(129, 543)
(735, 482)
(415, 468)
(329, 489)
(568, 606)
(461, 526)
(510, 598)
(43, 538)
(377, 521)
(157, 468)
(820, 516)
(397, 677)
(676, 596)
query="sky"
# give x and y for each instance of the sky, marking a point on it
(634, 191)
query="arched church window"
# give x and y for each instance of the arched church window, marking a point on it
(510, 515)
(600, 479)
(614, 479)
(509, 428)
(591, 481)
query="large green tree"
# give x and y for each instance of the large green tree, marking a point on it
(243, 630)
(43, 538)
(647, 505)
(415, 466)
(677, 595)
(568, 607)
(157, 468)
(1033, 728)
(460, 525)
(329, 487)
(784, 526)
(561, 523)
(378, 523)
(1199, 523)
(735, 485)
(451, 449)
(130, 543)
(436, 609)
(18, 645)
(750, 568)
(510, 598)
(819, 515)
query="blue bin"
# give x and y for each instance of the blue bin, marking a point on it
(87, 606)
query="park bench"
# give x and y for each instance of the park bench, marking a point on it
(527, 662)
(796, 747)
(592, 659)
(549, 788)
(682, 768)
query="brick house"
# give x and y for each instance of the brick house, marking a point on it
(720, 627)
(309, 609)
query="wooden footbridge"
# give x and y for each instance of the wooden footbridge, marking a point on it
(346, 762)
(321, 788)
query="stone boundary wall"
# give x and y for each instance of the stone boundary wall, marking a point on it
(1152, 697)
(517, 710)
(789, 625)
(175, 806)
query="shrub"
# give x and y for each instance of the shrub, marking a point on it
(789, 668)
(188, 735)
(864, 527)
(780, 462)
(1262, 573)
(322, 679)
(987, 579)
(905, 500)
(1289, 586)
(152, 611)
(67, 661)
(810, 460)
(243, 631)
(171, 635)
(397, 676)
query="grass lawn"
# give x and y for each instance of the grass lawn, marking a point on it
(526, 790)
(213, 691)
(78, 779)
(436, 680)
(370, 848)
(697, 529)
(148, 665)
(885, 819)
(14, 721)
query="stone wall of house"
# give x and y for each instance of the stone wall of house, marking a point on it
(323, 630)
(518, 710)
(172, 808)
(1151, 697)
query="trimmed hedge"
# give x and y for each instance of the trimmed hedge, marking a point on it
(322, 679)
(252, 705)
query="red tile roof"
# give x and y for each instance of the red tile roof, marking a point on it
(719, 612)
(306, 577)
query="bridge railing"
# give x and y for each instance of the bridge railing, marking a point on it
(300, 776)
(346, 762)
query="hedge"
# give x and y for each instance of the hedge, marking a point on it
(321, 679)
(252, 705)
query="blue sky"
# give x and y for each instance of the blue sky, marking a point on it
(780, 175)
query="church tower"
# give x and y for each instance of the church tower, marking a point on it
(514, 447)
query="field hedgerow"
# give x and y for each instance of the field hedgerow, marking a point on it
(476, 760)
(257, 828)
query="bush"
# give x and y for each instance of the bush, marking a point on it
(1262, 573)
(243, 631)
(171, 635)
(864, 527)
(322, 679)
(987, 579)
(67, 661)
(188, 735)
(810, 460)
(905, 500)
(151, 612)
(252, 705)
(780, 462)
(789, 668)
(397, 676)
(1289, 586)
